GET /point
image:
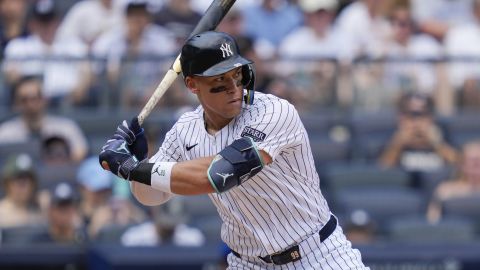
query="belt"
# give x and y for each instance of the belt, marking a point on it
(292, 254)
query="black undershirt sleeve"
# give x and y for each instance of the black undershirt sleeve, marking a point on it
(143, 173)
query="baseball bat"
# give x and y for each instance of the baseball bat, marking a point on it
(212, 17)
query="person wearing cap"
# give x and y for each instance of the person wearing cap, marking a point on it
(95, 186)
(66, 80)
(313, 45)
(317, 37)
(19, 207)
(64, 225)
(417, 146)
(127, 48)
(250, 153)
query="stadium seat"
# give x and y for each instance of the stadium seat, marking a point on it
(382, 204)
(344, 176)
(370, 132)
(463, 127)
(419, 230)
(466, 207)
(326, 152)
(20, 235)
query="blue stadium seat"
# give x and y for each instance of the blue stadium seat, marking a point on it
(465, 207)
(418, 230)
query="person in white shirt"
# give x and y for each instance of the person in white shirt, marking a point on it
(317, 38)
(61, 62)
(404, 44)
(89, 19)
(33, 122)
(462, 42)
(133, 54)
(364, 29)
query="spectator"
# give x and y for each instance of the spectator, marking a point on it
(461, 42)
(467, 183)
(178, 17)
(417, 145)
(55, 151)
(129, 51)
(34, 123)
(359, 228)
(233, 23)
(363, 28)
(89, 19)
(259, 20)
(317, 38)
(167, 226)
(12, 21)
(312, 78)
(405, 43)
(95, 187)
(436, 17)
(43, 54)
(64, 226)
(19, 206)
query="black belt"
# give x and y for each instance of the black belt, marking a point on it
(293, 253)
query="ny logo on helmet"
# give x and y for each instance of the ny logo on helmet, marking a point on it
(226, 50)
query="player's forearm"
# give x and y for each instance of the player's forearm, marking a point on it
(190, 177)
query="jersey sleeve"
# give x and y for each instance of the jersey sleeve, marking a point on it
(170, 149)
(275, 127)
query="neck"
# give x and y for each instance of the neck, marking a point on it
(214, 124)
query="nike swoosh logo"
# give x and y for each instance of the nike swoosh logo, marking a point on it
(189, 147)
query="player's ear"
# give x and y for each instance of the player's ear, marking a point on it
(191, 84)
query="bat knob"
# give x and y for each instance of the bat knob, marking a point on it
(105, 166)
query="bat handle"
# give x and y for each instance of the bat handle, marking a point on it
(166, 82)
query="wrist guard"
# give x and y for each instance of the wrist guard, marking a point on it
(234, 165)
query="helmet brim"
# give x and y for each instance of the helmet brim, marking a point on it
(225, 66)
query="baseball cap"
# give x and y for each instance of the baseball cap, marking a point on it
(44, 10)
(134, 5)
(210, 53)
(92, 176)
(63, 193)
(18, 165)
(311, 6)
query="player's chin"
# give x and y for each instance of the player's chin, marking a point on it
(233, 108)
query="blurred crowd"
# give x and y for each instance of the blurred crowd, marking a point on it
(414, 65)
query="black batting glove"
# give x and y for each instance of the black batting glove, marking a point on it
(117, 158)
(135, 137)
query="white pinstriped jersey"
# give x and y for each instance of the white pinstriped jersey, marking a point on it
(280, 206)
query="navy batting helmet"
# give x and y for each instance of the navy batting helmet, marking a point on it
(213, 53)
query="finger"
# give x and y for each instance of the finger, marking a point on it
(135, 126)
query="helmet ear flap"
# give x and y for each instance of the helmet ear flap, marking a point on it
(248, 81)
(248, 76)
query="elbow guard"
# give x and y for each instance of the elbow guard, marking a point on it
(234, 165)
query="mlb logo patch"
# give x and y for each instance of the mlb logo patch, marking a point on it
(256, 135)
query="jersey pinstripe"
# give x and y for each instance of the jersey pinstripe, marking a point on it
(280, 206)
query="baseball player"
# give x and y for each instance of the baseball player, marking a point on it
(250, 155)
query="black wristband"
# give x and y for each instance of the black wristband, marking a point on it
(142, 173)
